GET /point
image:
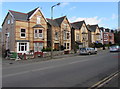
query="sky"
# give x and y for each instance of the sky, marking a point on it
(105, 14)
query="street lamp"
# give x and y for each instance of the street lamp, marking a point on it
(51, 29)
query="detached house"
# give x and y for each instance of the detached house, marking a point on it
(95, 33)
(24, 32)
(61, 33)
(79, 34)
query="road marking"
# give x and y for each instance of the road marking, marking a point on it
(104, 81)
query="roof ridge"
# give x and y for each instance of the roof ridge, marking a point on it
(18, 12)
(33, 10)
(59, 17)
(78, 21)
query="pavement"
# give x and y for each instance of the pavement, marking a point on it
(74, 71)
(39, 59)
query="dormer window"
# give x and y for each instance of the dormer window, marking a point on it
(38, 19)
(8, 22)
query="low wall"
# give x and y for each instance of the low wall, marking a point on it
(55, 53)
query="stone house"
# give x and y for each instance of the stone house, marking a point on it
(95, 33)
(23, 32)
(80, 34)
(61, 33)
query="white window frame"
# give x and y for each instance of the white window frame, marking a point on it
(27, 47)
(56, 36)
(66, 45)
(38, 19)
(12, 21)
(8, 21)
(77, 37)
(37, 35)
(40, 33)
(22, 33)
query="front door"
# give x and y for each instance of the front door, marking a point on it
(56, 46)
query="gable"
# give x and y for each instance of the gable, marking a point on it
(37, 12)
(84, 26)
(8, 16)
(65, 20)
(97, 30)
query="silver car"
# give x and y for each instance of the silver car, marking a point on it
(88, 51)
(115, 48)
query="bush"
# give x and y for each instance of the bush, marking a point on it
(46, 49)
(98, 45)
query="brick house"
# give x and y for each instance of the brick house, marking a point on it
(108, 36)
(80, 33)
(61, 33)
(23, 32)
(95, 33)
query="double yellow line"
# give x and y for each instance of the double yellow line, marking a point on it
(104, 81)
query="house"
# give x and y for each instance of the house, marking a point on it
(23, 32)
(108, 36)
(79, 34)
(61, 33)
(95, 33)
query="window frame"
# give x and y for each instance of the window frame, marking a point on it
(8, 21)
(38, 21)
(22, 33)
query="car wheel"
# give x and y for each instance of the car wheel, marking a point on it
(89, 53)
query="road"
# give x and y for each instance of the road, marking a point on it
(77, 71)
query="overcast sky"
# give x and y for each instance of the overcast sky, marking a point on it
(102, 13)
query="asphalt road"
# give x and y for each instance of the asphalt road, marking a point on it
(77, 71)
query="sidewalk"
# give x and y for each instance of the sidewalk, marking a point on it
(39, 59)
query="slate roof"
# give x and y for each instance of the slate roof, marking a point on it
(56, 22)
(92, 28)
(31, 12)
(52, 22)
(19, 15)
(60, 20)
(77, 25)
(38, 26)
(22, 16)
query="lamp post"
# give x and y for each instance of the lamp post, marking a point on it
(52, 29)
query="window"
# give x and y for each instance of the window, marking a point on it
(11, 20)
(64, 35)
(23, 35)
(22, 46)
(8, 22)
(67, 35)
(38, 33)
(77, 37)
(38, 19)
(67, 45)
(38, 47)
(56, 36)
(35, 33)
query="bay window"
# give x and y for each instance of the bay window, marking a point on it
(38, 47)
(38, 33)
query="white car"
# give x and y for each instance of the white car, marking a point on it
(115, 48)
(88, 51)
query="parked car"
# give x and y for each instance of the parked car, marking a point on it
(115, 48)
(88, 51)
